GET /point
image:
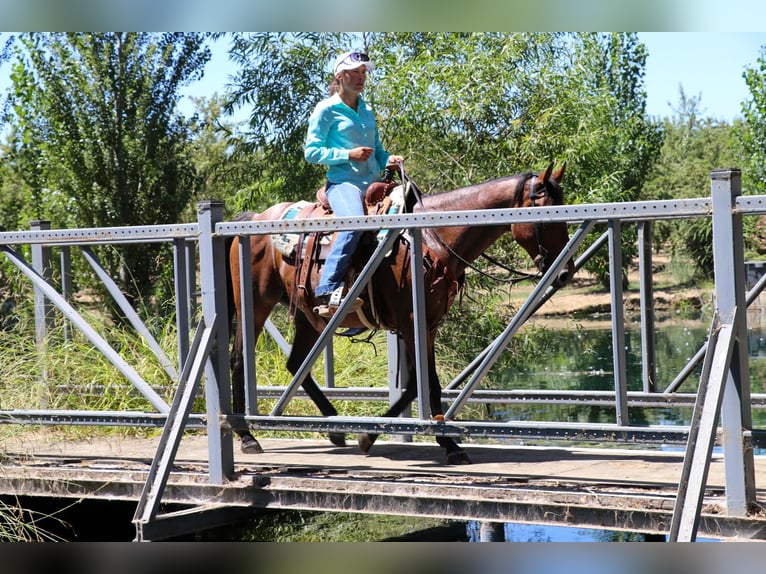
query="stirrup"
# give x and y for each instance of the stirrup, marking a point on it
(329, 306)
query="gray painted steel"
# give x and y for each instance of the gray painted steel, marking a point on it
(646, 294)
(212, 259)
(726, 207)
(159, 472)
(619, 359)
(729, 268)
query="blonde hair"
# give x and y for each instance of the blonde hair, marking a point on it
(334, 86)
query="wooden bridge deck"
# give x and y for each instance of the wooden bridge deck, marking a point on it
(606, 488)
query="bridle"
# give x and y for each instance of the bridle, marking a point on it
(534, 195)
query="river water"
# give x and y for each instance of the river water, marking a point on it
(581, 359)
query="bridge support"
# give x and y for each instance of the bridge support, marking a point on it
(212, 259)
(736, 416)
(724, 388)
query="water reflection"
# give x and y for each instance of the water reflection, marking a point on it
(579, 357)
(514, 532)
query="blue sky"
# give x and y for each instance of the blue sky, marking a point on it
(709, 65)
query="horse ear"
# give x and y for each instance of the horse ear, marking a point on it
(559, 173)
(547, 173)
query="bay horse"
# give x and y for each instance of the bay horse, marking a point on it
(447, 252)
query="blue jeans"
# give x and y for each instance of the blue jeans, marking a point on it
(345, 200)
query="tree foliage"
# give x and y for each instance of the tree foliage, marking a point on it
(280, 78)
(754, 138)
(694, 145)
(460, 107)
(97, 138)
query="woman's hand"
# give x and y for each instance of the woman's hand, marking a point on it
(360, 153)
(395, 160)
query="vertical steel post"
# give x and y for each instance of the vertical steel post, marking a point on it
(491, 532)
(618, 323)
(419, 320)
(646, 288)
(736, 416)
(66, 281)
(248, 325)
(329, 365)
(215, 304)
(41, 262)
(191, 277)
(182, 305)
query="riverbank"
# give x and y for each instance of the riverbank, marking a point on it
(585, 300)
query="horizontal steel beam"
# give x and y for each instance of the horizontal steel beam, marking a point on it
(554, 502)
(638, 210)
(571, 432)
(89, 236)
(518, 396)
(93, 418)
(511, 429)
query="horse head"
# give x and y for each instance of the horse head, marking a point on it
(544, 240)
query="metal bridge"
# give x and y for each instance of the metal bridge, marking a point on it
(694, 490)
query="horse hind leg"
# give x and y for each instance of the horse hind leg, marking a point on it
(248, 443)
(305, 337)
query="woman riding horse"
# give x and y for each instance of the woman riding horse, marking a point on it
(447, 251)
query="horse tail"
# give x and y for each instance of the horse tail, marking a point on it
(231, 308)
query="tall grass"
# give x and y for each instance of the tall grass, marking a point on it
(68, 372)
(20, 525)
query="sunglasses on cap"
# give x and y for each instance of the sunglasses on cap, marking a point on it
(357, 57)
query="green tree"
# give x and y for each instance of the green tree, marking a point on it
(460, 107)
(693, 146)
(99, 138)
(754, 137)
(223, 173)
(281, 76)
(5, 55)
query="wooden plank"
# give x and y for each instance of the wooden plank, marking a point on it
(606, 488)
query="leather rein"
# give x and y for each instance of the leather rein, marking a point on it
(521, 275)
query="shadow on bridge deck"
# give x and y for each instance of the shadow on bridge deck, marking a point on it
(607, 488)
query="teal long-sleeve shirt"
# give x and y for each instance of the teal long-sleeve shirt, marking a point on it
(334, 129)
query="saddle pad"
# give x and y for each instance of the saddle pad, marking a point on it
(397, 196)
(287, 242)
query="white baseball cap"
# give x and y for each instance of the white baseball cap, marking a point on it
(351, 61)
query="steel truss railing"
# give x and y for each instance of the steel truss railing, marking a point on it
(726, 207)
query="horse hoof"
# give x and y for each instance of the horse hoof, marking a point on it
(337, 438)
(250, 446)
(458, 457)
(365, 442)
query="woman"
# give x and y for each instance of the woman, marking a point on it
(343, 135)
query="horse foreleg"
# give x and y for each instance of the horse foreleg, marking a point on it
(305, 337)
(248, 443)
(366, 440)
(455, 453)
